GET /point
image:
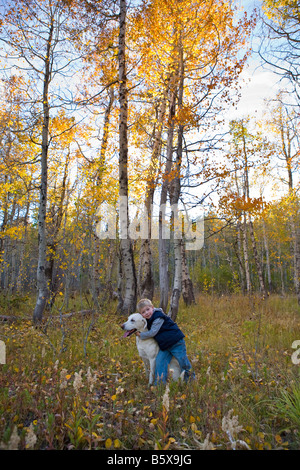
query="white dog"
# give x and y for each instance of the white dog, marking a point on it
(148, 348)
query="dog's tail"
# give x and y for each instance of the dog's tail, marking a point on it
(172, 372)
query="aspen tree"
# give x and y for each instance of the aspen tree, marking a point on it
(208, 39)
(279, 46)
(285, 123)
(128, 267)
(33, 37)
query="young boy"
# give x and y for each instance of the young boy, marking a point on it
(169, 338)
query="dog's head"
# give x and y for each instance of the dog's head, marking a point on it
(134, 323)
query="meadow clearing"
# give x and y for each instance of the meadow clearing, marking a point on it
(76, 383)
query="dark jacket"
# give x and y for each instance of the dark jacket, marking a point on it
(169, 333)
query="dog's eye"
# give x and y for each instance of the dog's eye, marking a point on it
(132, 320)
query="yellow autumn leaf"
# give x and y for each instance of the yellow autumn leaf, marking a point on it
(194, 427)
(108, 443)
(117, 444)
(141, 441)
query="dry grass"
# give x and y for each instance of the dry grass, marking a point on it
(82, 385)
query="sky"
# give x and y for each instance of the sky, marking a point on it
(258, 83)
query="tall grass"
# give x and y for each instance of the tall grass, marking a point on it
(77, 383)
(288, 406)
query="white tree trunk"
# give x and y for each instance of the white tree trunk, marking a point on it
(296, 248)
(257, 262)
(145, 278)
(187, 285)
(266, 245)
(245, 253)
(42, 285)
(128, 268)
(174, 190)
(162, 244)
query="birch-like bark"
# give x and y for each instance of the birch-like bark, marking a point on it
(174, 190)
(42, 285)
(20, 280)
(119, 281)
(145, 278)
(238, 251)
(101, 164)
(286, 148)
(105, 135)
(56, 213)
(162, 243)
(266, 245)
(238, 245)
(257, 262)
(187, 284)
(128, 268)
(246, 256)
(280, 262)
(251, 229)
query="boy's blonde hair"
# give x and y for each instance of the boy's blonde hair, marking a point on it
(143, 303)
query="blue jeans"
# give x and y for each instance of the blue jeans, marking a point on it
(163, 359)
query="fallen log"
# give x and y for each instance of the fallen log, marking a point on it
(81, 312)
(12, 318)
(8, 318)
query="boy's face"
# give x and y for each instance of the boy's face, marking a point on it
(147, 311)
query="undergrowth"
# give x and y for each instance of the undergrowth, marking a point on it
(76, 383)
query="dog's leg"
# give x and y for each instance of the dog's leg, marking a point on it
(147, 367)
(152, 371)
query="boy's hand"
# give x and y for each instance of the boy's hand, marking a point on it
(137, 333)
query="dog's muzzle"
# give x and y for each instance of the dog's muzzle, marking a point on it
(128, 332)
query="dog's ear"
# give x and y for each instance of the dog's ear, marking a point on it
(145, 322)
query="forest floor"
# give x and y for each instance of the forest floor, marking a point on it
(77, 383)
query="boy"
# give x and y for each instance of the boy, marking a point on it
(169, 338)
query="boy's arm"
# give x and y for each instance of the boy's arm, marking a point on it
(155, 327)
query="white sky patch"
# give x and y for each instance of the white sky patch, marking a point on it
(259, 86)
